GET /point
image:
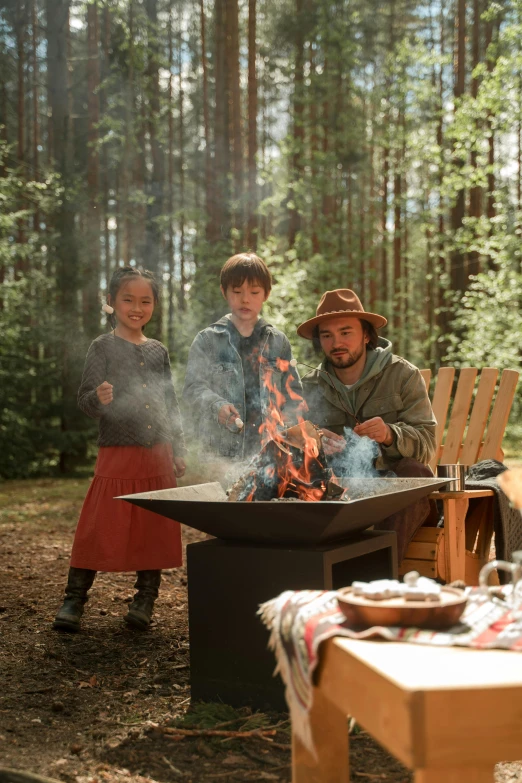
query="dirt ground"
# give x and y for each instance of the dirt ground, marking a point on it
(103, 705)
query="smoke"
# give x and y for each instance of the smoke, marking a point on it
(357, 459)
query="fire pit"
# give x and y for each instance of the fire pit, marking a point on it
(288, 524)
(292, 522)
(261, 549)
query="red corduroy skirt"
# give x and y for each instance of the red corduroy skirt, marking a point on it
(113, 535)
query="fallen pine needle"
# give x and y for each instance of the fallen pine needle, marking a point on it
(279, 766)
(240, 719)
(175, 733)
(280, 745)
(382, 776)
(173, 768)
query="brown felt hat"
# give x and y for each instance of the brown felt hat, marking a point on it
(336, 304)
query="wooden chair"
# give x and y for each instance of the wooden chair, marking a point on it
(460, 548)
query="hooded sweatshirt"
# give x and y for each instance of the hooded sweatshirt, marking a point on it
(390, 388)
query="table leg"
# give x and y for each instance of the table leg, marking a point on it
(480, 774)
(329, 728)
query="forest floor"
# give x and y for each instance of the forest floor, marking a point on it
(100, 706)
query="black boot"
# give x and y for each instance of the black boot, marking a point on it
(140, 610)
(79, 582)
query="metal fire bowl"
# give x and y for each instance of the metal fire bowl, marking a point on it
(205, 507)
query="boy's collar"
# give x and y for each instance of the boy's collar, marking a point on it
(224, 322)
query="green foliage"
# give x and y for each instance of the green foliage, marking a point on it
(487, 329)
(30, 382)
(205, 715)
(30, 362)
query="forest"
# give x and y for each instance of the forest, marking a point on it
(351, 143)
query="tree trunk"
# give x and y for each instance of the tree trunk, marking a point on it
(371, 211)
(20, 32)
(209, 201)
(349, 220)
(181, 142)
(314, 147)
(459, 272)
(153, 239)
(65, 250)
(127, 235)
(263, 221)
(359, 272)
(91, 282)
(170, 190)
(298, 129)
(327, 130)
(105, 161)
(397, 248)
(519, 150)
(429, 299)
(406, 301)
(438, 290)
(36, 119)
(232, 55)
(252, 127)
(492, 30)
(3, 125)
(475, 193)
(384, 216)
(220, 226)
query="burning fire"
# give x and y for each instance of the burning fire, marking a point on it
(295, 477)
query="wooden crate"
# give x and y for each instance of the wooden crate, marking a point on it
(425, 554)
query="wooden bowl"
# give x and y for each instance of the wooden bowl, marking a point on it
(364, 612)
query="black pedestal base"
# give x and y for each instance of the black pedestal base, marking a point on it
(229, 658)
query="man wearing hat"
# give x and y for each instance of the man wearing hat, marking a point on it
(363, 386)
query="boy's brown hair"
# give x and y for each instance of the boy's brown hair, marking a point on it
(246, 266)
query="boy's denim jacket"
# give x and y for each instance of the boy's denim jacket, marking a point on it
(215, 378)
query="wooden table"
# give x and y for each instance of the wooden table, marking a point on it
(448, 714)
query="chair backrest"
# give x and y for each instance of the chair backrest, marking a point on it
(466, 439)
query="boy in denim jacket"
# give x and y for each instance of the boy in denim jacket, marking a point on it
(240, 368)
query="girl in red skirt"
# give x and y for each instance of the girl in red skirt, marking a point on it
(127, 386)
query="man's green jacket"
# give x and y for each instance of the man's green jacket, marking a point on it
(390, 387)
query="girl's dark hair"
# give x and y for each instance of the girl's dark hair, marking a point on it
(123, 273)
(369, 330)
(246, 266)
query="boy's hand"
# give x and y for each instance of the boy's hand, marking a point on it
(227, 414)
(376, 429)
(104, 392)
(332, 443)
(179, 466)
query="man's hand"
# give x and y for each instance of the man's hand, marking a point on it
(375, 429)
(179, 466)
(227, 414)
(104, 392)
(332, 443)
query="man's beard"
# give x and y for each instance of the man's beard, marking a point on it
(348, 359)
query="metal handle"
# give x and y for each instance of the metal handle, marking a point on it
(503, 565)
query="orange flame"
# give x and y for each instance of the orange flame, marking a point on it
(251, 494)
(297, 478)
